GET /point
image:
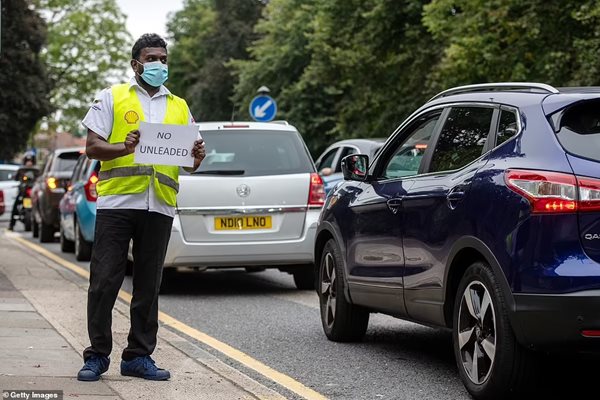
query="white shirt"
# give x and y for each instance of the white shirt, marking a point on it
(99, 119)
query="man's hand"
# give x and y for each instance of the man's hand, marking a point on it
(132, 139)
(198, 152)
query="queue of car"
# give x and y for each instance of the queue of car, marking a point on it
(480, 214)
(8, 189)
(253, 204)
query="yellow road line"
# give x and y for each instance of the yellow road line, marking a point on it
(231, 352)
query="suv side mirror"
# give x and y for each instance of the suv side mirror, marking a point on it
(355, 167)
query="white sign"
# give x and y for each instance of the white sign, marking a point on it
(163, 144)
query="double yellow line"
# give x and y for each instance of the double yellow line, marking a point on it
(244, 359)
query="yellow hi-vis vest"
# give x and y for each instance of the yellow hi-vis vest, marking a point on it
(121, 175)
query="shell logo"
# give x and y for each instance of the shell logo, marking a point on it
(131, 117)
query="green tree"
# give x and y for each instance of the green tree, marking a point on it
(376, 57)
(24, 85)
(512, 40)
(586, 46)
(278, 59)
(341, 68)
(208, 34)
(88, 46)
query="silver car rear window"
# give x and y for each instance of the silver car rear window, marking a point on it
(7, 174)
(66, 161)
(254, 153)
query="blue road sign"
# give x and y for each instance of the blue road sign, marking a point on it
(263, 108)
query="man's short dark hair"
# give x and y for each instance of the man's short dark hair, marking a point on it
(147, 40)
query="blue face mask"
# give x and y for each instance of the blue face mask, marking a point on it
(155, 73)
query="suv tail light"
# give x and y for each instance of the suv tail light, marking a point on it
(554, 192)
(2, 206)
(316, 193)
(90, 188)
(589, 194)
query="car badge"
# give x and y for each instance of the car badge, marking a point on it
(243, 190)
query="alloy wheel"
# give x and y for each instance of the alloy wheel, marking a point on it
(477, 332)
(328, 289)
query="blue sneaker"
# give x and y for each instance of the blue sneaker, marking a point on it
(93, 368)
(144, 367)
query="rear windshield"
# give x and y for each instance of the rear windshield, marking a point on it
(579, 130)
(66, 161)
(253, 153)
(7, 174)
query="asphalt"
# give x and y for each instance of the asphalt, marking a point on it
(264, 316)
(43, 333)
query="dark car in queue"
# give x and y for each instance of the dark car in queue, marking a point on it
(481, 214)
(49, 188)
(78, 209)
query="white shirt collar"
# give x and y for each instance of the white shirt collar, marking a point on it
(162, 91)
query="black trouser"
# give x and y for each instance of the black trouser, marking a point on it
(150, 233)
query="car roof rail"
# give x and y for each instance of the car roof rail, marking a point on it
(280, 122)
(542, 87)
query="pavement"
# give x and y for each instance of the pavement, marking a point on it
(43, 333)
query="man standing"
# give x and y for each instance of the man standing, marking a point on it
(136, 202)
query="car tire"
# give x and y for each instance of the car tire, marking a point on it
(35, 228)
(46, 232)
(66, 245)
(27, 224)
(482, 332)
(304, 277)
(342, 321)
(83, 248)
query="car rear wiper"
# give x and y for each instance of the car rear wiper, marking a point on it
(221, 172)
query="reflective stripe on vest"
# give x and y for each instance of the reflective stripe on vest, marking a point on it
(123, 172)
(121, 175)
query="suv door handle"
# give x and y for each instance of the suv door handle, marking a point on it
(454, 197)
(394, 205)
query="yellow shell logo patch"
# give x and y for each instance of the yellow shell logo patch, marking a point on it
(131, 117)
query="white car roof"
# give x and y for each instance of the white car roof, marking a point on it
(10, 167)
(241, 125)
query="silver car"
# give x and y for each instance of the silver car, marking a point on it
(9, 188)
(253, 203)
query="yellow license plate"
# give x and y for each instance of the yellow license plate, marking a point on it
(246, 222)
(26, 202)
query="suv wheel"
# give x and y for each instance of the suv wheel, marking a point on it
(66, 245)
(46, 232)
(484, 343)
(342, 321)
(304, 277)
(83, 249)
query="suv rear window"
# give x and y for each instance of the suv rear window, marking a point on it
(254, 153)
(579, 130)
(66, 161)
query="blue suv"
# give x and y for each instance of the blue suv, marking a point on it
(480, 214)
